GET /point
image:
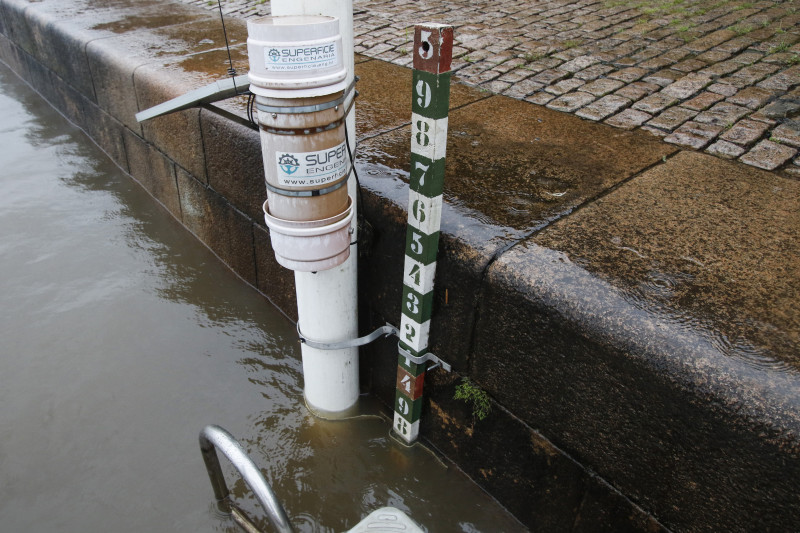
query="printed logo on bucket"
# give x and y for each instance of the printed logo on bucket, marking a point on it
(307, 169)
(288, 164)
(301, 57)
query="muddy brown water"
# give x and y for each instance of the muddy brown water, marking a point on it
(121, 337)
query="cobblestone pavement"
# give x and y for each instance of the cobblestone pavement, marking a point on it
(722, 76)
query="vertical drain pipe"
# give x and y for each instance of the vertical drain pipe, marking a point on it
(327, 295)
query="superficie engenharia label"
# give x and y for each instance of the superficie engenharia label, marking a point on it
(308, 169)
(302, 57)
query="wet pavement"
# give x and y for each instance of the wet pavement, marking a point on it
(719, 77)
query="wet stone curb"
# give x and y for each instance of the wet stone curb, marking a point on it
(607, 415)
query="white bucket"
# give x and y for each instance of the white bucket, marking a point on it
(300, 54)
(311, 246)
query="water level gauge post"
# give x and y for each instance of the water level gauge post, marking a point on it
(433, 52)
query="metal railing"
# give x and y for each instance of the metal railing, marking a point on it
(214, 438)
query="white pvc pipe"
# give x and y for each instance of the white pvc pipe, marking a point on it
(327, 302)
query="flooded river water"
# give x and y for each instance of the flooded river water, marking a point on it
(121, 337)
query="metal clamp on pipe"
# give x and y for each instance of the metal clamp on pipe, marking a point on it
(383, 331)
(424, 359)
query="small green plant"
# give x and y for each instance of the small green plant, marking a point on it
(775, 139)
(468, 59)
(794, 60)
(779, 48)
(471, 393)
(530, 57)
(741, 29)
(572, 43)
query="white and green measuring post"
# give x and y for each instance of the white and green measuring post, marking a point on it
(433, 52)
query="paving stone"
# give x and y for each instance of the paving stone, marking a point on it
(540, 98)
(516, 75)
(782, 81)
(664, 77)
(522, 88)
(656, 63)
(496, 86)
(547, 77)
(721, 69)
(579, 63)
(593, 72)
(725, 89)
(629, 119)
(745, 132)
(703, 101)
(655, 103)
(768, 155)
(722, 114)
(629, 74)
(602, 86)
(637, 90)
(752, 97)
(788, 133)
(711, 40)
(687, 86)
(604, 107)
(780, 108)
(564, 86)
(693, 134)
(725, 150)
(713, 56)
(689, 65)
(747, 58)
(571, 102)
(672, 118)
(751, 74)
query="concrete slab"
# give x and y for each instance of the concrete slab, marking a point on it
(272, 279)
(153, 170)
(114, 60)
(221, 227)
(682, 236)
(106, 131)
(13, 56)
(54, 30)
(523, 166)
(235, 166)
(385, 97)
(17, 29)
(179, 134)
(2, 20)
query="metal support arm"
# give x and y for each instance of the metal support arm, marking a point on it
(383, 331)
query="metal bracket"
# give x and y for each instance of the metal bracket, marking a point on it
(384, 331)
(278, 110)
(424, 358)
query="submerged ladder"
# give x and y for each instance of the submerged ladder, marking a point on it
(213, 438)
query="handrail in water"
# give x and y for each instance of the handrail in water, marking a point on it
(214, 438)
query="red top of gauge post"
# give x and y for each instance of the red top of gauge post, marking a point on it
(433, 47)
